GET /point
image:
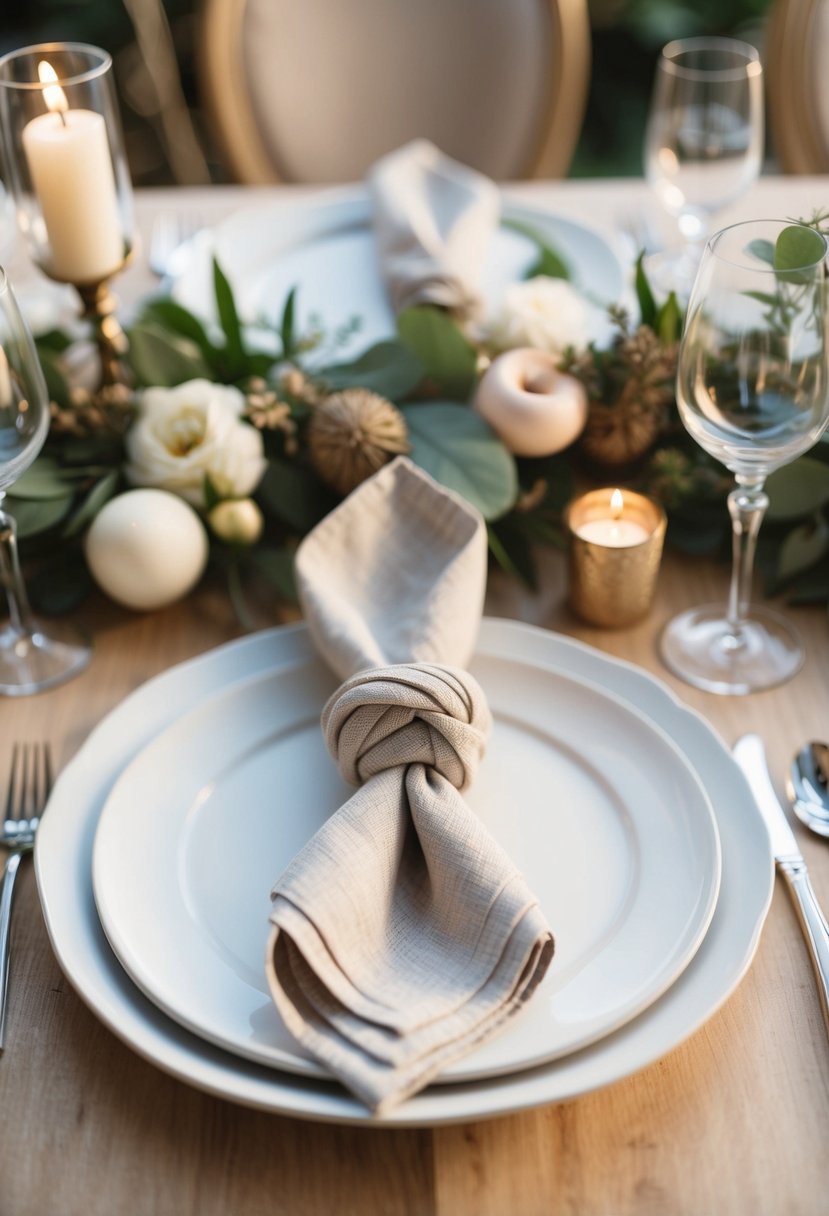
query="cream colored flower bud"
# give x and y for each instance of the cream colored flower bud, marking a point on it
(237, 521)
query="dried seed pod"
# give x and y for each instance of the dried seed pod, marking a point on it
(352, 434)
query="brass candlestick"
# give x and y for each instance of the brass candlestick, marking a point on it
(99, 308)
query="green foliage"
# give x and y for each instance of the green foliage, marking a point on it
(448, 357)
(549, 261)
(458, 449)
(430, 370)
(392, 369)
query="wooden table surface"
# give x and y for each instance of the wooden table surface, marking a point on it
(735, 1120)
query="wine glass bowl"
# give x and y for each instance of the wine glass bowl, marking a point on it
(753, 391)
(703, 139)
(32, 656)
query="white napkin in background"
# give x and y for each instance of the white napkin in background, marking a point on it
(434, 219)
(403, 935)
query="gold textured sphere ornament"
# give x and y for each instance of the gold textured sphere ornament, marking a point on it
(352, 434)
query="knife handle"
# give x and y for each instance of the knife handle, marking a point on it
(813, 924)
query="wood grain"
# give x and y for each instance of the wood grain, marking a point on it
(734, 1120)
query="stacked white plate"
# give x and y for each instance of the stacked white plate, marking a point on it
(625, 811)
(326, 249)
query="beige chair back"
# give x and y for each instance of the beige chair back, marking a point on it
(316, 90)
(797, 70)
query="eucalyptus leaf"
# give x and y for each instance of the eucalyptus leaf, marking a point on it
(390, 368)
(798, 489)
(161, 359)
(762, 250)
(458, 449)
(33, 516)
(100, 494)
(45, 479)
(448, 358)
(796, 251)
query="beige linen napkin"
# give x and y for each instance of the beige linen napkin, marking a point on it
(434, 220)
(403, 935)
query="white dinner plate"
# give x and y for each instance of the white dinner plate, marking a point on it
(63, 861)
(326, 248)
(595, 805)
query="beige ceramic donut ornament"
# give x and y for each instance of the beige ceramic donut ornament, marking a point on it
(534, 408)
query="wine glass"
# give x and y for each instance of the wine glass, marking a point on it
(31, 657)
(753, 391)
(703, 141)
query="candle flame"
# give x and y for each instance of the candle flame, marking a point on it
(617, 504)
(53, 94)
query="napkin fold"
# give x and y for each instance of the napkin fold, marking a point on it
(434, 220)
(402, 934)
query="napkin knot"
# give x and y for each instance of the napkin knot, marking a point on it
(409, 713)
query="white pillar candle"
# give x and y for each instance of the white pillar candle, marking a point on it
(71, 167)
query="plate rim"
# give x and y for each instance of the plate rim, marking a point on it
(83, 955)
(179, 1004)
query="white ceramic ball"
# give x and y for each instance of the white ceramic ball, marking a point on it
(533, 408)
(146, 549)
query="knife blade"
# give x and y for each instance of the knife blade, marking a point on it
(750, 754)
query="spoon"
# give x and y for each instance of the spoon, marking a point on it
(808, 787)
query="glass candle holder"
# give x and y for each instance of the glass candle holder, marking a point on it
(68, 175)
(615, 547)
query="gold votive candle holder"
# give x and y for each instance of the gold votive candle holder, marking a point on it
(615, 547)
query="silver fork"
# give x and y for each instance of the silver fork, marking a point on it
(170, 233)
(30, 783)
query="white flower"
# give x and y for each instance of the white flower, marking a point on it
(545, 313)
(195, 430)
(237, 520)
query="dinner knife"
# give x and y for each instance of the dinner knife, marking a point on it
(751, 757)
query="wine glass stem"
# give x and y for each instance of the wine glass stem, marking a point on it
(746, 505)
(20, 614)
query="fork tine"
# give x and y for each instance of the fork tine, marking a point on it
(12, 801)
(47, 773)
(30, 781)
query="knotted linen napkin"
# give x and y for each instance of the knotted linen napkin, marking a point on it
(402, 934)
(434, 220)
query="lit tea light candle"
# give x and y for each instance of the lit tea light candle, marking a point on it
(614, 554)
(614, 531)
(71, 168)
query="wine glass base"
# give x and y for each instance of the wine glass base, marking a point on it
(32, 662)
(700, 647)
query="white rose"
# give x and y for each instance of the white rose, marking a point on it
(195, 430)
(544, 313)
(237, 520)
